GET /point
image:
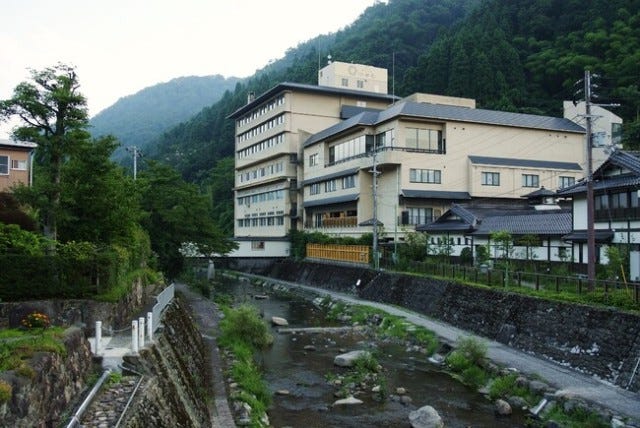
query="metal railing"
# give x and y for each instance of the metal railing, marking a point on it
(162, 300)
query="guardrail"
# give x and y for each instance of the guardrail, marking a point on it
(162, 300)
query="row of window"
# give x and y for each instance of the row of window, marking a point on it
(528, 180)
(261, 197)
(15, 164)
(359, 83)
(261, 111)
(425, 176)
(265, 171)
(261, 221)
(347, 182)
(278, 120)
(348, 149)
(262, 145)
(429, 140)
(617, 200)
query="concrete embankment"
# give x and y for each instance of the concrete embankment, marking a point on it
(598, 341)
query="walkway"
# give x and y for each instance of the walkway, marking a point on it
(568, 381)
(205, 312)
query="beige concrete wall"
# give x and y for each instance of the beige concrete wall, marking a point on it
(372, 79)
(15, 176)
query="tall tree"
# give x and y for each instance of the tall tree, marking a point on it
(54, 116)
(178, 214)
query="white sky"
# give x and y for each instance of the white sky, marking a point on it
(122, 46)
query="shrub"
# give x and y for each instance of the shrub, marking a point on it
(458, 361)
(5, 391)
(473, 349)
(245, 325)
(474, 376)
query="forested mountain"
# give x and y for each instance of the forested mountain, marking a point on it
(517, 55)
(142, 117)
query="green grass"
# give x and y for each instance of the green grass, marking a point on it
(17, 346)
(578, 418)
(505, 386)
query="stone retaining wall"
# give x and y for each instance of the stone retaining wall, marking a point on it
(45, 399)
(174, 393)
(597, 341)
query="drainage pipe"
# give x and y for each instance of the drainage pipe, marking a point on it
(133, 394)
(83, 407)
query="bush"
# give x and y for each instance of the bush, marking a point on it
(245, 325)
(36, 320)
(473, 349)
(457, 361)
(474, 376)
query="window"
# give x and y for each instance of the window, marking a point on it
(4, 165)
(601, 202)
(19, 164)
(360, 84)
(345, 82)
(330, 186)
(429, 140)
(425, 176)
(313, 159)
(349, 182)
(619, 200)
(314, 189)
(420, 215)
(490, 178)
(257, 245)
(566, 182)
(385, 139)
(530, 180)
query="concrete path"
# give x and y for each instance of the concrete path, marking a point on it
(205, 312)
(568, 381)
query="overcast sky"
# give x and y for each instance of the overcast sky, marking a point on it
(122, 46)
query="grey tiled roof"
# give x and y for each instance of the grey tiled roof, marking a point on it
(338, 174)
(473, 115)
(331, 201)
(486, 160)
(539, 223)
(626, 160)
(18, 144)
(363, 118)
(435, 194)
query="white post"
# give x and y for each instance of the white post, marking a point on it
(141, 331)
(150, 326)
(98, 337)
(134, 336)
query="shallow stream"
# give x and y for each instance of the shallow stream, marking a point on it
(302, 373)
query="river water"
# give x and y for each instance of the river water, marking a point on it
(302, 373)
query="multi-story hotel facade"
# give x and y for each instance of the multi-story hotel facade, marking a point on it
(306, 157)
(270, 131)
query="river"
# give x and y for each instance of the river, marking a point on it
(302, 397)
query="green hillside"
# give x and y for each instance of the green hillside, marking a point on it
(142, 117)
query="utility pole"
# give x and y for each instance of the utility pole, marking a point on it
(136, 154)
(376, 259)
(591, 238)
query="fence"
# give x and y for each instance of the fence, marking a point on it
(558, 284)
(344, 253)
(162, 300)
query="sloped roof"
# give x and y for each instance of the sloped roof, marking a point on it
(19, 145)
(451, 113)
(487, 160)
(435, 194)
(331, 201)
(485, 221)
(557, 222)
(626, 160)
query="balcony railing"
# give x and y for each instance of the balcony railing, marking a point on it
(335, 222)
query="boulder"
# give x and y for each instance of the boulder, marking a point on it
(502, 408)
(347, 401)
(425, 417)
(348, 359)
(279, 321)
